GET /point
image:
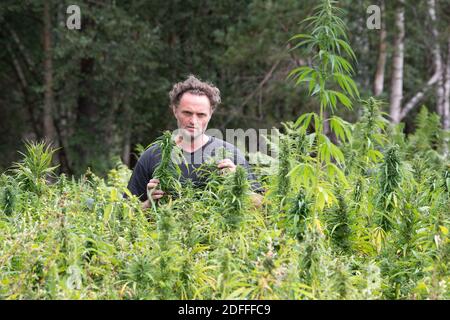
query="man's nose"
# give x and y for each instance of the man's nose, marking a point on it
(194, 120)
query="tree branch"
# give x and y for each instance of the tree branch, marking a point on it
(418, 96)
(24, 87)
(22, 50)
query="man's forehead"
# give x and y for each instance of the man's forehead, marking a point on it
(194, 102)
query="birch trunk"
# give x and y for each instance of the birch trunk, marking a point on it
(397, 64)
(437, 58)
(437, 77)
(446, 104)
(378, 83)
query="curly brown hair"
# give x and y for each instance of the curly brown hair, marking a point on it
(195, 86)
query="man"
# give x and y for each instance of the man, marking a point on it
(193, 103)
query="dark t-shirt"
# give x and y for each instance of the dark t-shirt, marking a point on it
(148, 161)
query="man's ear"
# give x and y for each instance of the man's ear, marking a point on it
(173, 107)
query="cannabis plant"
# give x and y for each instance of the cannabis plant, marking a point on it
(329, 79)
(35, 168)
(390, 178)
(168, 170)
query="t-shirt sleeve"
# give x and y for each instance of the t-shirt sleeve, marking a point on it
(138, 181)
(143, 172)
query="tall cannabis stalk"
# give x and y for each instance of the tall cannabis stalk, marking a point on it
(283, 182)
(369, 135)
(339, 221)
(168, 260)
(429, 134)
(328, 78)
(330, 68)
(297, 215)
(235, 197)
(390, 178)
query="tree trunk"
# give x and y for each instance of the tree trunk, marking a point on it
(86, 112)
(24, 86)
(437, 59)
(437, 77)
(126, 146)
(362, 39)
(378, 83)
(48, 124)
(446, 104)
(61, 116)
(397, 64)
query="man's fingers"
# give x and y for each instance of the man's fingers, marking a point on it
(225, 163)
(152, 183)
(155, 194)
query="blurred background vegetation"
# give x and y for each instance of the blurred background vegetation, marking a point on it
(99, 91)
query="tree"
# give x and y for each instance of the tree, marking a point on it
(396, 96)
(378, 83)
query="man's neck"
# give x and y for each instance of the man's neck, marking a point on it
(191, 145)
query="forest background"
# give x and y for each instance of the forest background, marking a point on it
(100, 91)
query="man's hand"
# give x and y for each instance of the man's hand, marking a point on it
(151, 190)
(226, 165)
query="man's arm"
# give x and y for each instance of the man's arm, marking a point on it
(142, 175)
(138, 181)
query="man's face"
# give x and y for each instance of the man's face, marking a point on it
(193, 114)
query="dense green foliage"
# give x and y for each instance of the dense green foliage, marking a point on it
(111, 79)
(79, 239)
